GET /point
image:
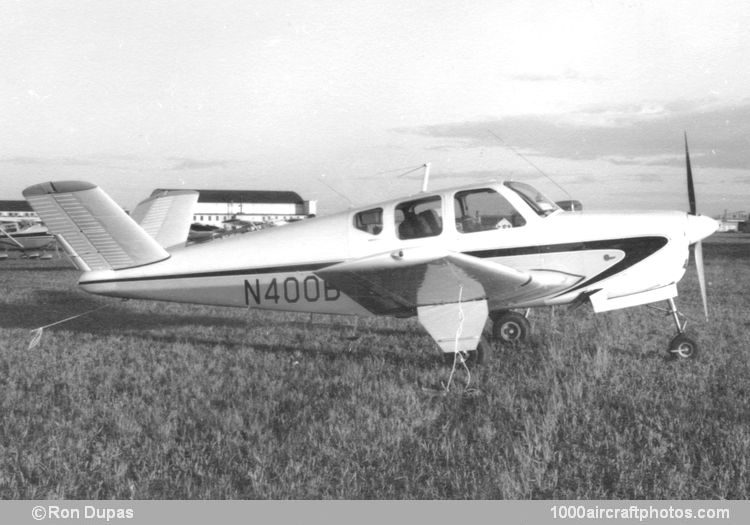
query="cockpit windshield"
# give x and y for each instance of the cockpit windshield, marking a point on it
(536, 200)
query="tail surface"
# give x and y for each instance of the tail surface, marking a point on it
(92, 228)
(166, 216)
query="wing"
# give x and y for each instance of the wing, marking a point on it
(399, 282)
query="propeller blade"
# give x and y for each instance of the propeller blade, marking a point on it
(691, 189)
(701, 275)
(699, 244)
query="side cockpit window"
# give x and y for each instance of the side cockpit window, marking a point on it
(370, 221)
(484, 209)
(419, 218)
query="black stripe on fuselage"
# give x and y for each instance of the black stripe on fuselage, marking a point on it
(636, 249)
(220, 273)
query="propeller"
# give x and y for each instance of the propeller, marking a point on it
(691, 189)
(699, 244)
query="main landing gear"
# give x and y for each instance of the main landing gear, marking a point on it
(509, 328)
(681, 346)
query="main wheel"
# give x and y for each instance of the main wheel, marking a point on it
(683, 347)
(510, 328)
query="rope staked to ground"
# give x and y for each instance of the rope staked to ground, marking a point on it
(458, 356)
(37, 337)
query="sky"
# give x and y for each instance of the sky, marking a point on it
(341, 101)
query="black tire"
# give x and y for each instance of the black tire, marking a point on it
(682, 347)
(510, 328)
(482, 352)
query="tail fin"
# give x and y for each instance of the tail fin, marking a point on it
(177, 206)
(93, 229)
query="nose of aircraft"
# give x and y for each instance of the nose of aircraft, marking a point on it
(699, 227)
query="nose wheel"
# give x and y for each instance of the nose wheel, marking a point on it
(681, 346)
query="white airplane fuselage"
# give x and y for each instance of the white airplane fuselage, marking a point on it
(31, 237)
(637, 255)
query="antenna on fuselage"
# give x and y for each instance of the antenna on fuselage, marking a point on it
(537, 168)
(426, 178)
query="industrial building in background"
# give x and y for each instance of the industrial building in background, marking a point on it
(235, 211)
(736, 221)
(15, 210)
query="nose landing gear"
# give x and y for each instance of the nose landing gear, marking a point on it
(681, 346)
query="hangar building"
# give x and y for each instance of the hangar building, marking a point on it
(17, 209)
(214, 207)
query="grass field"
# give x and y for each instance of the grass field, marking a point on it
(154, 400)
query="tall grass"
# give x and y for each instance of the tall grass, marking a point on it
(155, 400)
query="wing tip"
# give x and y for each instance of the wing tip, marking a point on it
(64, 186)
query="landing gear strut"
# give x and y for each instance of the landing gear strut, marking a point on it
(681, 346)
(509, 328)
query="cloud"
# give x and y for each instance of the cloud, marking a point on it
(195, 164)
(568, 74)
(473, 175)
(46, 161)
(647, 134)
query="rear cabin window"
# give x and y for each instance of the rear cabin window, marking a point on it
(419, 218)
(370, 221)
(484, 209)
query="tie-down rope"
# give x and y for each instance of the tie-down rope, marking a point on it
(458, 356)
(37, 337)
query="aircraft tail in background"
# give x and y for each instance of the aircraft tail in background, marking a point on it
(167, 216)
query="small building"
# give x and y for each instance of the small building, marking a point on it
(728, 226)
(218, 207)
(733, 221)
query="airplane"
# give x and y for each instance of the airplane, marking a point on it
(203, 232)
(232, 226)
(466, 261)
(241, 223)
(26, 236)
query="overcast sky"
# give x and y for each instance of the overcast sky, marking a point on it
(272, 95)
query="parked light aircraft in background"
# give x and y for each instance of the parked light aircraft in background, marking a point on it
(237, 224)
(29, 237)
(453, 258)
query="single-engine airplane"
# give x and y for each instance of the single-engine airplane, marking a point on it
(453, 258)
(30, 238)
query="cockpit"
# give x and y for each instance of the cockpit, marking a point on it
(474, 209)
